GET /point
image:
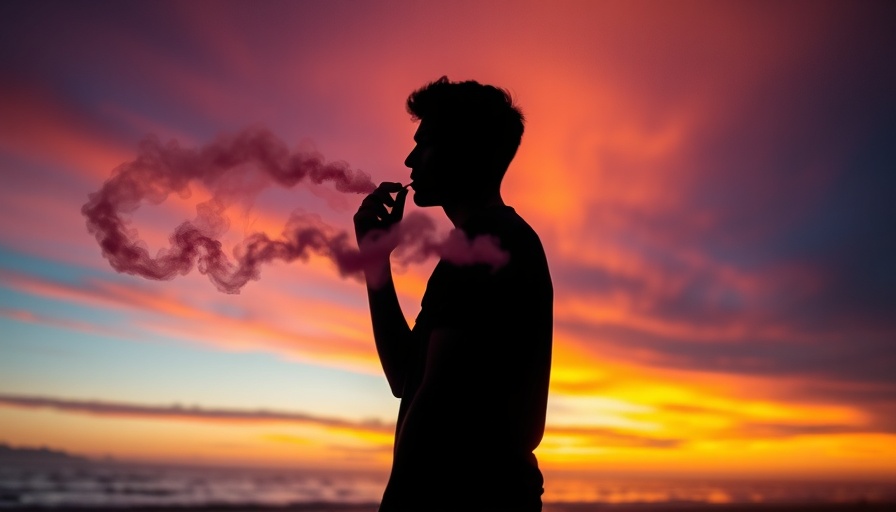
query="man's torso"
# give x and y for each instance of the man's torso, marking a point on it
(474, 428)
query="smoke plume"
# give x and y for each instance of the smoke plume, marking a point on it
(223, 166)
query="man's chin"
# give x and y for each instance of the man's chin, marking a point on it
(424, 200)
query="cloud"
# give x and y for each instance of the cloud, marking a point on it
(753, 430)
(328, 334)
(601, 436)
(42, 127)
(190, 413)
(27, 316)
(766, 250)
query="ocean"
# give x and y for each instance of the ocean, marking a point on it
(119, 485)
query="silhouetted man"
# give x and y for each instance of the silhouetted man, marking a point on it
(473, 373)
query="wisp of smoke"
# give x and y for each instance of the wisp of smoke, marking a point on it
(162, 169)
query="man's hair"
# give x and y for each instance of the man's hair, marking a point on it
(481, 118)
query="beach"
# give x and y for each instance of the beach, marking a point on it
(548, 507)
(82, 485)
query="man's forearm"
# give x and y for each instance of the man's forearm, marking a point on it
(390, 329)
(373, 224)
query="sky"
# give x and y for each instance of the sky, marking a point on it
(712, 182)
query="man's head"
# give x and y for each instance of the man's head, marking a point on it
(467, 137)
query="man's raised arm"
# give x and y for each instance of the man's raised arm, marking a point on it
(390, 329)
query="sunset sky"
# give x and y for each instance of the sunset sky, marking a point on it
(713, 183)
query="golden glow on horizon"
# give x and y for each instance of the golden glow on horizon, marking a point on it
(660, 442)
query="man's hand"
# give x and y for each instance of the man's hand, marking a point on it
(373, 219)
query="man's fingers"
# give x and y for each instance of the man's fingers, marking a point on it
(385, 191)
(384, 197)
(371, 200)
(398, 209)
(374, 208)
(380, 198)
(389, 186)
(374, 214)
(374, 211)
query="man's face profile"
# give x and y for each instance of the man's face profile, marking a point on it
(441, 170)
(427, 167)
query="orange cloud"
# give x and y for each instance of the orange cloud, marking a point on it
(313, 337)
(39, 127)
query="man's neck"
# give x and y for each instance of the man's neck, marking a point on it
(460, 213)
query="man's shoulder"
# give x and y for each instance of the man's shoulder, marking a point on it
(527, 265)
(516, 294)
(504, 223)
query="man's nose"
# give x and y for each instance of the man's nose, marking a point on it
(412, 156)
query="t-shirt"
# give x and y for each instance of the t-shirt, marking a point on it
(472, 412)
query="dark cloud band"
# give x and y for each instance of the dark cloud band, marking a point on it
(103, 408)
